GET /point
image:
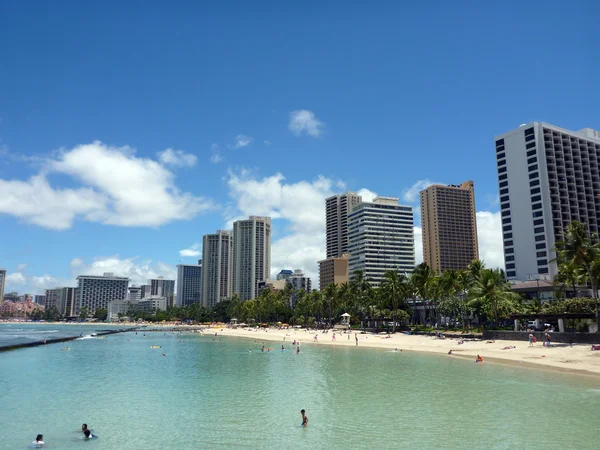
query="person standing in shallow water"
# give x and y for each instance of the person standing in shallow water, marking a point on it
(304, 418)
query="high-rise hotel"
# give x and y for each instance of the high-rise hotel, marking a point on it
(449, 226)
(251, 255)
(381, 238)
(548, 177)
(217, 266)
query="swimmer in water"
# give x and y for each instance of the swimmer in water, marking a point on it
(304, 418)
(84, 427)
(282, 348)
(88, 434)
(39, 441)
(164, 354)
(395, 349)
(298, 349)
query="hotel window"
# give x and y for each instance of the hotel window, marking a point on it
(543, 270)
(538, 230)
(532, 160)
(538, 214)
(509, 250)
(540, 238)
(530, 145)
(503, 191)
(533, 175)
(507, 228)
(504, 199)
(510, 258)
(508, 243)
(541, 254)
(536, 198)
(511, 273)
(505, 213)
(535, 191)
(503, 177)
(502, 169)
(503, 184)
(542, 262)
(510, 266)
(508, 235)
(529, 132)
(538, 222)
(536, 206)
(534, 182)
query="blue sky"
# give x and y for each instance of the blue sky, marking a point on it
(130, 129)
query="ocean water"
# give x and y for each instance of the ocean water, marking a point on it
(215, 394)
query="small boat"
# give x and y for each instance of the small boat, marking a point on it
(155, 346)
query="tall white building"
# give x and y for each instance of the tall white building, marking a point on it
(134, 293)
(381, 238)
(299, 281)
(163, 288)
(2, 283)
(548, 177)
(189, 284)
(95, 292)
(337, 208)
(217, 267)
(251, 255)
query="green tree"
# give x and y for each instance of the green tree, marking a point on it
(492, 295)
(394, 287)
(101, 314)
(581, 251)
(83, 314)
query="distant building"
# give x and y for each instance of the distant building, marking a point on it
(251, 255)
(11, 297)
(333, 270)
(217, 267)
(163, 288)
(273, 285)
(449, 223)
(548, 177)
(40, 299)
(2, 284)
(151, 304)
(381, 238)
(51, 298)
(145, 290)
(337, 209)
(189, 284)
(285, 274)
(122, 307)
(94, 292)
(134, 293)
(298, 281)
(66, 301)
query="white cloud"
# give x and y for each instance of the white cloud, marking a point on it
(411, 194)
(489, 234)
(304, 121)
(298, 213)
(367, 195)
(138, 270)
(267, 142)
(117, 188)
(177, 158)
(41, 283)
(216, 157)
(193, 251)
(15, 278)
(21, 267)
(241, 141)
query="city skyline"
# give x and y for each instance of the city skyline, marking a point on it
(125, 173)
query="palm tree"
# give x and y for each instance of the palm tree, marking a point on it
(394, 287)
(360, 288)
(582, 251)
(330, 295)
(493, 295)
(424, 279)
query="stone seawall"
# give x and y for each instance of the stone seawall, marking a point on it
(62, 339)
(568, 338)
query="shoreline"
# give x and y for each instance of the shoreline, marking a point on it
(575, 359)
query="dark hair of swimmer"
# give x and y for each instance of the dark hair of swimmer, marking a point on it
(302, 412)
(87, 433)
(39, 437)
(84, 427)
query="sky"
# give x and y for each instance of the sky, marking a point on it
(130, 129)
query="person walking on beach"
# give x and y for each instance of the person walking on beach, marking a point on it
(548, 338)
(304, 418)
(530, 340)
(356, 338)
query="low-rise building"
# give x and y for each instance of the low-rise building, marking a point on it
(122, 307)
(151, 304)
(333, 271)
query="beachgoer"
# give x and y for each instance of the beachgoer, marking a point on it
(84, 427)
(530, 340)
(316, 337)
(449, 352)
(479, 359)
(262, 349)
(39, 441)
(548, 338)
(356, 338)
(282, 348)
(333, 337)
(44, 341)
(395, 349)
(304, 418)
(88, 434)
(298, 349)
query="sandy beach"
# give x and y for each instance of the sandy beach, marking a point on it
(562, 357)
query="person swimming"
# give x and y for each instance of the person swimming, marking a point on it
(39, 441)
(304, 418)
(282, 348)
(298, 349)
(88, 435)
(479, 359)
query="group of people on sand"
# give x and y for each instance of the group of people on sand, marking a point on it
(39, 440)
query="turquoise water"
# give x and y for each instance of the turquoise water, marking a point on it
(22, 333)
(215, 394)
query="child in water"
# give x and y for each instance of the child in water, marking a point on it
(39, 441)
(304, 418)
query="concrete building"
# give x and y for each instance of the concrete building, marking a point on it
(2, 284)
(134, 293)
(251, 255)
(217, 267)
(189, 284)
(51, 298)
(11, 297)
(333, 270)
(122, 307)
(163, 288)
(381, 238)
(298, 281)
(66, 301)
(145, 290)
(151, 303)
(94, 292)
(448, 219)
(39, 299)
(274, 285)
(548, 177)
(337, 209)
(285, 274)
